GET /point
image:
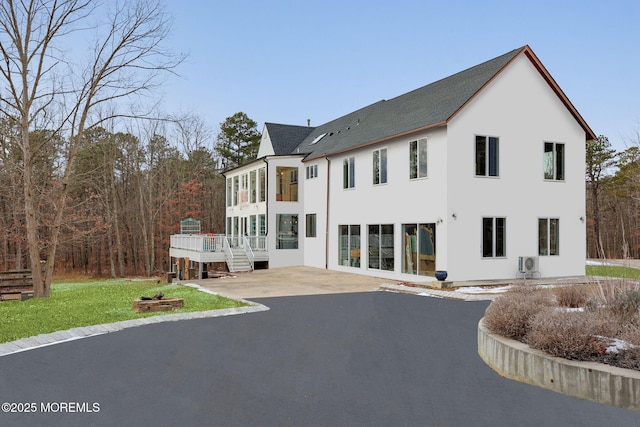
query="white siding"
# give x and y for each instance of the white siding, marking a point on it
(266, 147)
(521, 109)
(397, 202)
(284, 257)
(315, 202)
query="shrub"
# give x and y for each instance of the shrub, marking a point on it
(566, 334)
(571, 296)
(511, 314)
(618, 301)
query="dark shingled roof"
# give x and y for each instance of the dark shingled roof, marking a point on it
(285, 138)
(428, 106)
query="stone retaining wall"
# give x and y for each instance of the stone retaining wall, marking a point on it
(586, 380)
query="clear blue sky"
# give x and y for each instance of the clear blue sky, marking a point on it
(289, 61)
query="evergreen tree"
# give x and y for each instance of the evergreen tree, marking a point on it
(238, 140)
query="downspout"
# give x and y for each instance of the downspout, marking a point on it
(266, 201)
(326, 227)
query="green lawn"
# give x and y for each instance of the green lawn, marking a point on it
(613, 271)
(84, 303)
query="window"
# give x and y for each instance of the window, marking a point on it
(487, 157)
(235, 190)
(312, 171)
(262, 225)
(263, 184)
(310, 229)
(381, 247)
(286, 231)
(349, 241)
(553, 161)
(380, 166)
(252, 225)
(349, 173)
(243, 194)
(236, 225)
(253, 187)
(494, 237)
(548, 236)
(229, 191)
(419, 253)
(286, 184)
(418, 159)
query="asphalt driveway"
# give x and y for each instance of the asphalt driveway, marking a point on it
(370, 359)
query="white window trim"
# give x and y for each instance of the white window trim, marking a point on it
(379, 151)
(475, 154)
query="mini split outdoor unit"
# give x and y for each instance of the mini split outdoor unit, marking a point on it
(528, 264)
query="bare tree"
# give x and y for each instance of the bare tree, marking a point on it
(599, 157)
(42, 88)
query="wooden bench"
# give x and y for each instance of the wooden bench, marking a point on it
(16, 285)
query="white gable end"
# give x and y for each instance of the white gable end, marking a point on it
(266, 147)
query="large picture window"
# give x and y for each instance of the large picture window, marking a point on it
(494, 237)
(349, 241)
(286, 184)
(553, 161)
(487, 156)
(381, 255)
(419, 253)
(286, 231)
(548, 236)
(380, 166)
(418, 159)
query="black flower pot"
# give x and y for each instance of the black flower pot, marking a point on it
(441, 275)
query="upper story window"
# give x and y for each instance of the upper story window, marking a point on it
(253, 187)
(243, 194)
(487, 156)
(262, 182)
(554, 161)
(236, 185)
(418, 159)
(312, 171)
(229, 190)
(380, 166)
(349, 173)
(286, 184)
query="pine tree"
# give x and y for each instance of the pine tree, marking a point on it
(238, 140)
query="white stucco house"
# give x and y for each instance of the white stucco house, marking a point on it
(472, 174)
